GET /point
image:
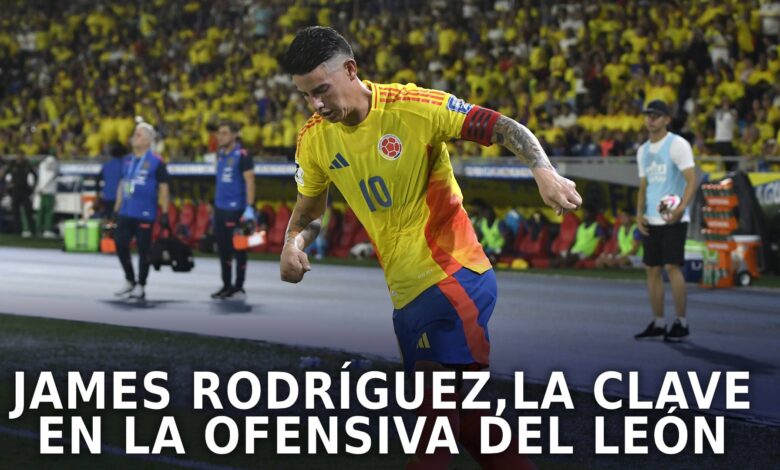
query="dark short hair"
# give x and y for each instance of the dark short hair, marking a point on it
(232, 125)
(311, 47)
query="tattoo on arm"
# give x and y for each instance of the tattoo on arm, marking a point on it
(311, 232)
(521, 142)
(303, 222)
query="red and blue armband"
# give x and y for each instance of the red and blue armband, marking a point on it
(478, 126)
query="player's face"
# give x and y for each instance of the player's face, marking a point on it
(325, 90)
(656, 122)
(225, 137)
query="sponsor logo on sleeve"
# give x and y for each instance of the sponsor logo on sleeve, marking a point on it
(299, 175)
(458, 105)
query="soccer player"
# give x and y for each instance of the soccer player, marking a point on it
(234, 203)
(666, 167)
(383, 146)
(144, 178)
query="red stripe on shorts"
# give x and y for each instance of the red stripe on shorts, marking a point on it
(468, 313)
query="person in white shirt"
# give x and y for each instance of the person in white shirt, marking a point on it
(566, 118)
(770, 19)
(48, 170)
(666, 167)
(725, 123)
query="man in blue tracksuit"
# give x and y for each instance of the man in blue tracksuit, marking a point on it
(144, 182)
(109, 176)
(234, 203)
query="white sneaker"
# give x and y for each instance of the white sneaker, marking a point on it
(235, 294)
(26, 234)
(125, 290)
(138, 293)
(49, 234)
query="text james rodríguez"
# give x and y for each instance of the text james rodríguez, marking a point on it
(373, 390)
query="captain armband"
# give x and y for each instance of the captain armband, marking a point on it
(478, 126)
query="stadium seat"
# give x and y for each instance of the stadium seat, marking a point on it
(278, 229)
(567, 234)
(202, 221)
(611, 245)
(532, 248)
(185, 227)
(515, 249)
(349, 228)
(334, 226)
(562, 243)
(269, 213)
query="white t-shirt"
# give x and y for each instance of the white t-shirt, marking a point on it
(770, 18)
(724, 125)
(48, 170)
(565, 121)
(681, 154)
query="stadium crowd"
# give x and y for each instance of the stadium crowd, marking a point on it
(74, 74)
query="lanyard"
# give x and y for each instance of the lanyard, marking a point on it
(134, 168)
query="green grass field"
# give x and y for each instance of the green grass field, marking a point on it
(36, 344)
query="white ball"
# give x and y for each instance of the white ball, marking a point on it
(667, 205)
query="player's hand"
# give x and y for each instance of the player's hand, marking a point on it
(557, 192)
(641, 224)
(674, 216)
(249, 214)
(294, 262)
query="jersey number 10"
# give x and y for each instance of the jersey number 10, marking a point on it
(379, 191)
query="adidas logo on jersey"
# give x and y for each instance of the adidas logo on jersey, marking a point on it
(339, 162)
(423, 342)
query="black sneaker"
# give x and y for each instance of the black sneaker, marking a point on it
(651, 331)
(220, 294)
(677, 332)
(236, 293)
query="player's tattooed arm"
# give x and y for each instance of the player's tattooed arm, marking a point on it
(306, 219)
(521, 142)
(557, 192)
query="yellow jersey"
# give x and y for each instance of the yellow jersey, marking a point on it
(394, 171)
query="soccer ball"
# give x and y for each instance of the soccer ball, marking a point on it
(667, 205)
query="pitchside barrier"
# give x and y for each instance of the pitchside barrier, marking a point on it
(500, 181)
(505, 183)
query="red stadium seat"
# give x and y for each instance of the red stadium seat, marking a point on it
(277, 231)
(562, 243)
(202, 220)
(531, 248)
(566, 235)
(515, 250)
(270, 214)
(611, 245)
(349, 228)
(361, 236)
(186, 225)
(334, 226)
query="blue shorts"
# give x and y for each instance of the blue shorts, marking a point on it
(447, 323)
